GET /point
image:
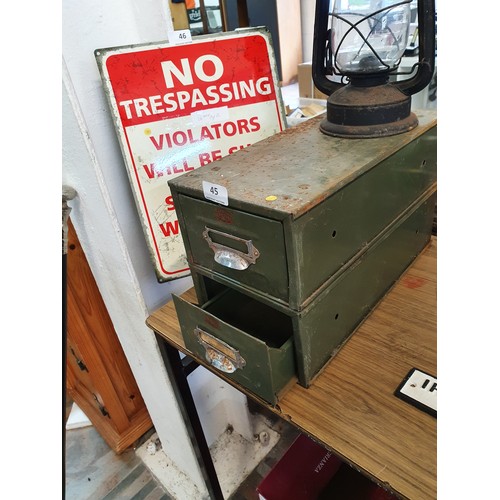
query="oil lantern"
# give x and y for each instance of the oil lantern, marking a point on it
(358, 46)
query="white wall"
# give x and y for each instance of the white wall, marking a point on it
(107, 224)
(307, 9)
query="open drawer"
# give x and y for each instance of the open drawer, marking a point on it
(245, 339)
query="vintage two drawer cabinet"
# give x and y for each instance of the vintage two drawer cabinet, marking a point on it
(292, 241)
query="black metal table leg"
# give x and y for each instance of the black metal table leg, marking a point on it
(185, 400)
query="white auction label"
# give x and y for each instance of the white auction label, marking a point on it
(180, 36)
(215, 192)
(213, 115)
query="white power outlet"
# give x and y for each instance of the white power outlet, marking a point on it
(419, 389)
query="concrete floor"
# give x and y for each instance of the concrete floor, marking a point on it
(95, 472)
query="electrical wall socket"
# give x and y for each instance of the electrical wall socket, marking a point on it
(419, 389)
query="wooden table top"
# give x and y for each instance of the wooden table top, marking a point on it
(350, 408)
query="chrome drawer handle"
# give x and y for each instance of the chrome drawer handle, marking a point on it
(219, 354)
(230, 257)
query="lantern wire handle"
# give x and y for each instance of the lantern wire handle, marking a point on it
(354, 26)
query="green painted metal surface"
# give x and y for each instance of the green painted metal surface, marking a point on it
(331, 319)
(327, 236)
(299, 168)
(300, 250)
(269, 273)
(260, 335)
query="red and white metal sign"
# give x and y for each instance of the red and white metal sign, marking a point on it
(178, 107)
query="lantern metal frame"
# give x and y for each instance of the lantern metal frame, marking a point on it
(367, 104)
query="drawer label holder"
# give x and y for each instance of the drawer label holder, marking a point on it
(230, 257)
(219, 354)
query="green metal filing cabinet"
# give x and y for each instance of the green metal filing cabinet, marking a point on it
(309, 234)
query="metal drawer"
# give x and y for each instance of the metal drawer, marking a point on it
(289, 257)
(248, 341)
(243, 247)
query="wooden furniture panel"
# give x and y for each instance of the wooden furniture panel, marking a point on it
(351, 408)
(179, 15)
(99, 378)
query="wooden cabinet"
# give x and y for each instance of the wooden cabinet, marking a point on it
(99, 378)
